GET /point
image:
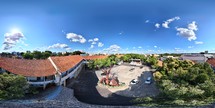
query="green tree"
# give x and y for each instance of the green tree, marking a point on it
(91, 64)
(37, 54)
(157, 75)
(28, 56)
(78, 53)
(209, 88)
(45, 55)
(12, 86)
(201, 78)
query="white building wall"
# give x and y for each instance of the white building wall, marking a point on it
(74, 73)
(32, 78)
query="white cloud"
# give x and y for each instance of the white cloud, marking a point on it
(190, 47)
(90, 40)
(121, 33)
(58, 45)
(155, 46)
(91, 46)
(193, 26)
(68, 49)
(147, 21)
(112, 48)
(93, 43)
(75, 37)
(166, 23)
(139, 47)
(100, 44)
(96, 39)
(188, 32)
(157, 25)
(11, 39)
(198, 42)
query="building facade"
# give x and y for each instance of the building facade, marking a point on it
(40, 73)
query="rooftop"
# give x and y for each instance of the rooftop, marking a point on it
(211, 62)
(38, 68)
(27, 67)
(64, 63)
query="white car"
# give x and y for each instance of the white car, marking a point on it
(148, 80)
(134, 81)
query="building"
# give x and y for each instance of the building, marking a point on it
(37, 72)
(212, 63)
(136, 62)
(43, 72)
(196, 57)
(165, 57)
(94, 57)
(54, 70)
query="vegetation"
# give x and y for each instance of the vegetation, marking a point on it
(184, 83)
(113, 60)
(12, 86)
(102, 63)
(128, 57)
(46, 54)
(170, 54)
(152, 61)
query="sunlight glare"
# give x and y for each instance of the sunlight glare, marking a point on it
(15, 30)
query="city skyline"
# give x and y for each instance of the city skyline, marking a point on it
(122, 26)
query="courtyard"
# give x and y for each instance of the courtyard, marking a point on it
(87, 89)
(126, 74)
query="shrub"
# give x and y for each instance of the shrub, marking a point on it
(178, 102)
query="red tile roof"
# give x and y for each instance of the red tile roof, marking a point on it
(95, 57)
(36, 68)
(64, 63)
(211, 62)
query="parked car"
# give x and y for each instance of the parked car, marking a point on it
(148, 80)
(134, 81)
(132, 69)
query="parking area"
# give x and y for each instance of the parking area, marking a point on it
(141, 89)
(126, 74)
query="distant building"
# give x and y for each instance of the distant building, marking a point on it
(136, 62)
(196, 57)
(84, 54)
(165, 57)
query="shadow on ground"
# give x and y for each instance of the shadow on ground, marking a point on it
(141, 89)
(85, 91)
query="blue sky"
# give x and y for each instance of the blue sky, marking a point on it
(108, 26)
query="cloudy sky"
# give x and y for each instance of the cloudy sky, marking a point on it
(108, 26)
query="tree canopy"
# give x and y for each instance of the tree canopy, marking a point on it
(183, 82)
(101, 63)
(12, 86)
(46, 54)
